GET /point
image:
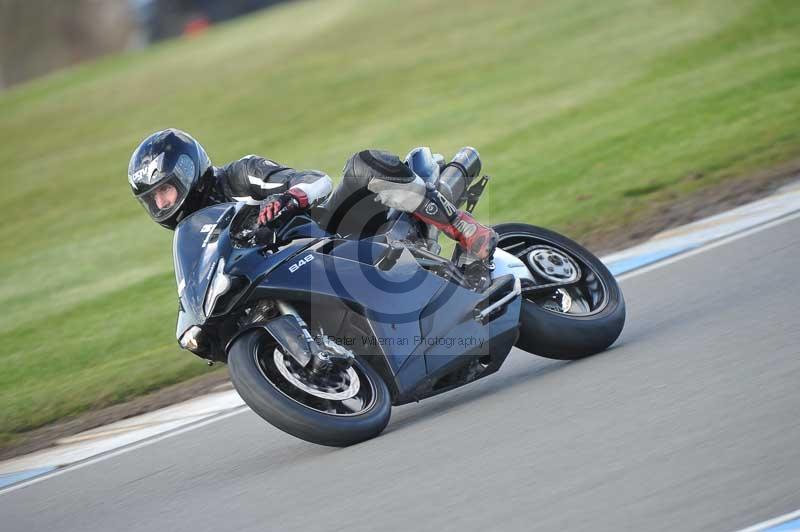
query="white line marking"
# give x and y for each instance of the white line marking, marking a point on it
(772, 522)
(247, 199)
(265, 185)
(708, 247)
(220, 417)
(122, 450)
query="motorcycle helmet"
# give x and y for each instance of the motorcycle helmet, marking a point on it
(168, 174)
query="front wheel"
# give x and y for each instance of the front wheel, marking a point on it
(575, 308)
(336, 410)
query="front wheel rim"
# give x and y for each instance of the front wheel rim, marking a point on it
(353, 400)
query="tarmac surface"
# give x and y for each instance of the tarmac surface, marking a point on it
(691, 422)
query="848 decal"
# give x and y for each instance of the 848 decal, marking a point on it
(296, 266)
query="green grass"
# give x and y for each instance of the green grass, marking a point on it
(614, 103)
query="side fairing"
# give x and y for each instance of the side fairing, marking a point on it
(391, 300)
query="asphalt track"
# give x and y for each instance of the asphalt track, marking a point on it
(691, 422)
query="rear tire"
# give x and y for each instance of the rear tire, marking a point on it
(249, 377)
(561, 335)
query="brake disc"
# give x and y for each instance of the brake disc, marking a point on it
(348, 388)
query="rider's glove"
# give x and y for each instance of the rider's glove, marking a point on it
(285, 204)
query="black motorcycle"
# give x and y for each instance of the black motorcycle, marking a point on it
(324, 331)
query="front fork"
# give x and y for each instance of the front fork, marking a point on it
(285, 309)
(317, 354)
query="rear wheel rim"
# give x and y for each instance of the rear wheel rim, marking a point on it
(587, 295)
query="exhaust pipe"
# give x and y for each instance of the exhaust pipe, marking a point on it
(457, 175)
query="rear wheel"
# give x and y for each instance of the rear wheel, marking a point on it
(575, 308)
(336, 409)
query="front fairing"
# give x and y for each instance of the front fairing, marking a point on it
(196, 249)
(203, 239)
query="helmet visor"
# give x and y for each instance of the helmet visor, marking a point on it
(164, 199)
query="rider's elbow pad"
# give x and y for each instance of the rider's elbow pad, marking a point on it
(316, 191)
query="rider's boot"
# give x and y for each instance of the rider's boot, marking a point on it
(396, 186)
(474, 237)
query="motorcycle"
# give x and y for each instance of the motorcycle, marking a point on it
(324, 332)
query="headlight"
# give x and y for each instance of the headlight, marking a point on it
(190, 339)
(220, 284)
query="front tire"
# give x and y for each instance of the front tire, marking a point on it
(547, 331)
(322, 421)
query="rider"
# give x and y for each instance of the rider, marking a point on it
(171, 176)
